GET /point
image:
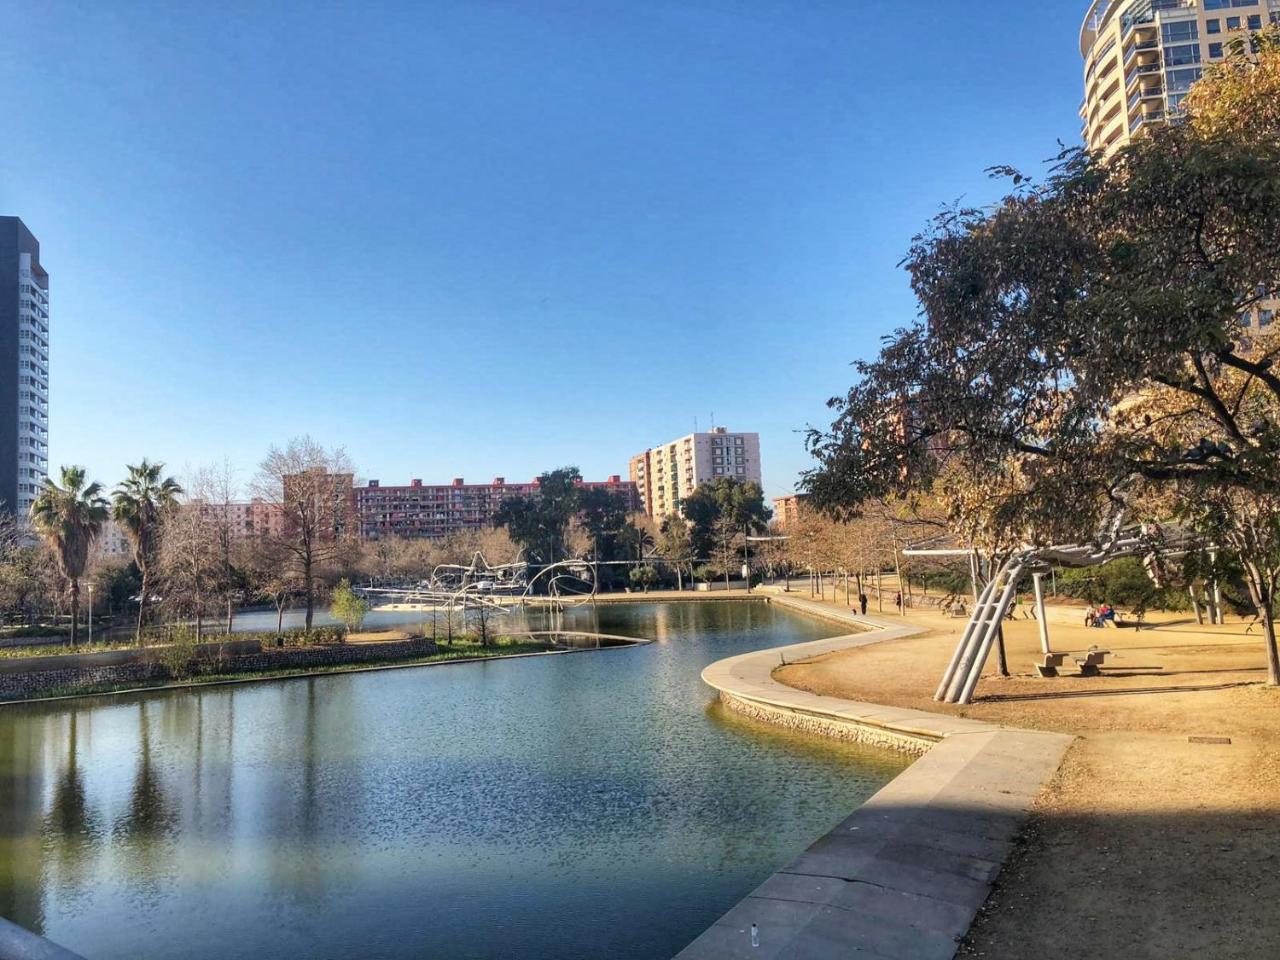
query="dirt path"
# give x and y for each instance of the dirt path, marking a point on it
(1146, 845)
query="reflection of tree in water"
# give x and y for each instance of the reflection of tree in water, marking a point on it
(146, 830)
(71, 827)
(297, 864)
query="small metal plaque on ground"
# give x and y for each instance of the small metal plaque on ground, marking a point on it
(1208, 739)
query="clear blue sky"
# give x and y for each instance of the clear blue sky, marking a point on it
(479, 238)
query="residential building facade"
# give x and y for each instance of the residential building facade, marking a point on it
(786, 510)
(1141, 58)
(438, 510)
(665, 475)
(24, 362)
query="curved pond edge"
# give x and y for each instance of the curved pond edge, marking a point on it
(904, 875)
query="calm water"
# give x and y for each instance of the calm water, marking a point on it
(595, 804)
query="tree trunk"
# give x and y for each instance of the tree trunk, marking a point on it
(142, 605)
(311, 591)
(75, 611)
(230, 614)
(1195, 605)
(199, 625)
(1269, 633)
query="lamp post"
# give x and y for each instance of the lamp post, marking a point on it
(91, 614)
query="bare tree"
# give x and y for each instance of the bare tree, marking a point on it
(312, 488)
(190, 560)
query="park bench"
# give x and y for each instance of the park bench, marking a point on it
(957, 610)
(1088, 662)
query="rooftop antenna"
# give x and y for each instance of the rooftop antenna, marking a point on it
(695, 423)
(713, 421)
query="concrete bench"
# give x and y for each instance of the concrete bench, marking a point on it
(1048, 666)
(1091, 661)
(957, 610)
(1088, 662)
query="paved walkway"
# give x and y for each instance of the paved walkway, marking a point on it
(904, 875)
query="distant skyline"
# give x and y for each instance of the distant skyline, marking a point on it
(479, 239)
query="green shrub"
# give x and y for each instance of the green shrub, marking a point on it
(1122, 582)
(348, 606)
(179, 654)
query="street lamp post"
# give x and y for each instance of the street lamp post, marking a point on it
(91, 614)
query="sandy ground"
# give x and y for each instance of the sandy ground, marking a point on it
(377, 636)
(1146, 844)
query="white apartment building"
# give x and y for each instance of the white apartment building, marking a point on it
(24, 353)
(664, 475)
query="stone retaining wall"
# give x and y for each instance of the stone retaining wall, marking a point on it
(19, 685)
(828, 726)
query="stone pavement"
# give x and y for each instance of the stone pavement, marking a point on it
(904, 875)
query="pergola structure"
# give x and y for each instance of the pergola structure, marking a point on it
(992, 601)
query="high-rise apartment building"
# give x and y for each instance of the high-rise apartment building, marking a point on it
(1141, 57)
(666, 474)
(24, 367)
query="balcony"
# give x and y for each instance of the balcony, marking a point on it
(1140, 47)
(1142, 119)
(1145, 93)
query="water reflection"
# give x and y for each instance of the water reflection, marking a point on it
(586, 805)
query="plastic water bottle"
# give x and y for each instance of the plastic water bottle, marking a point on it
(755, 935)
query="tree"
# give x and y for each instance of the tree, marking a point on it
(1080, 343)
(675, 546)
(69, 517)
(1240, 96)
(348, 607)
(540, 523)
(643, 577)
(190, 562)
(215, 488)
(741, 504)
(312, 489)
(724, 536)
(139, 504)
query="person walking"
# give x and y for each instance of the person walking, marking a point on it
(897, 601)
(862, 602)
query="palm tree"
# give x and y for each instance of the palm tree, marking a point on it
(69, 518)
(138, 504)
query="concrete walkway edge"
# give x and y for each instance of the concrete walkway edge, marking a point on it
(903, 876)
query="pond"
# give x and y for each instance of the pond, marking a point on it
(584, 805)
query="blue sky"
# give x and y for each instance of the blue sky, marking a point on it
(482, 238)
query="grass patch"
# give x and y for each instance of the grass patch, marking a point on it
(460, 650)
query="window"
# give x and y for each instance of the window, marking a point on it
(1233, 23)
(1213, 26)
(1255, 22)
(1215, 51)
(1265, 317)
(1180, 31)
(1178, 56)
(1181, 80)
